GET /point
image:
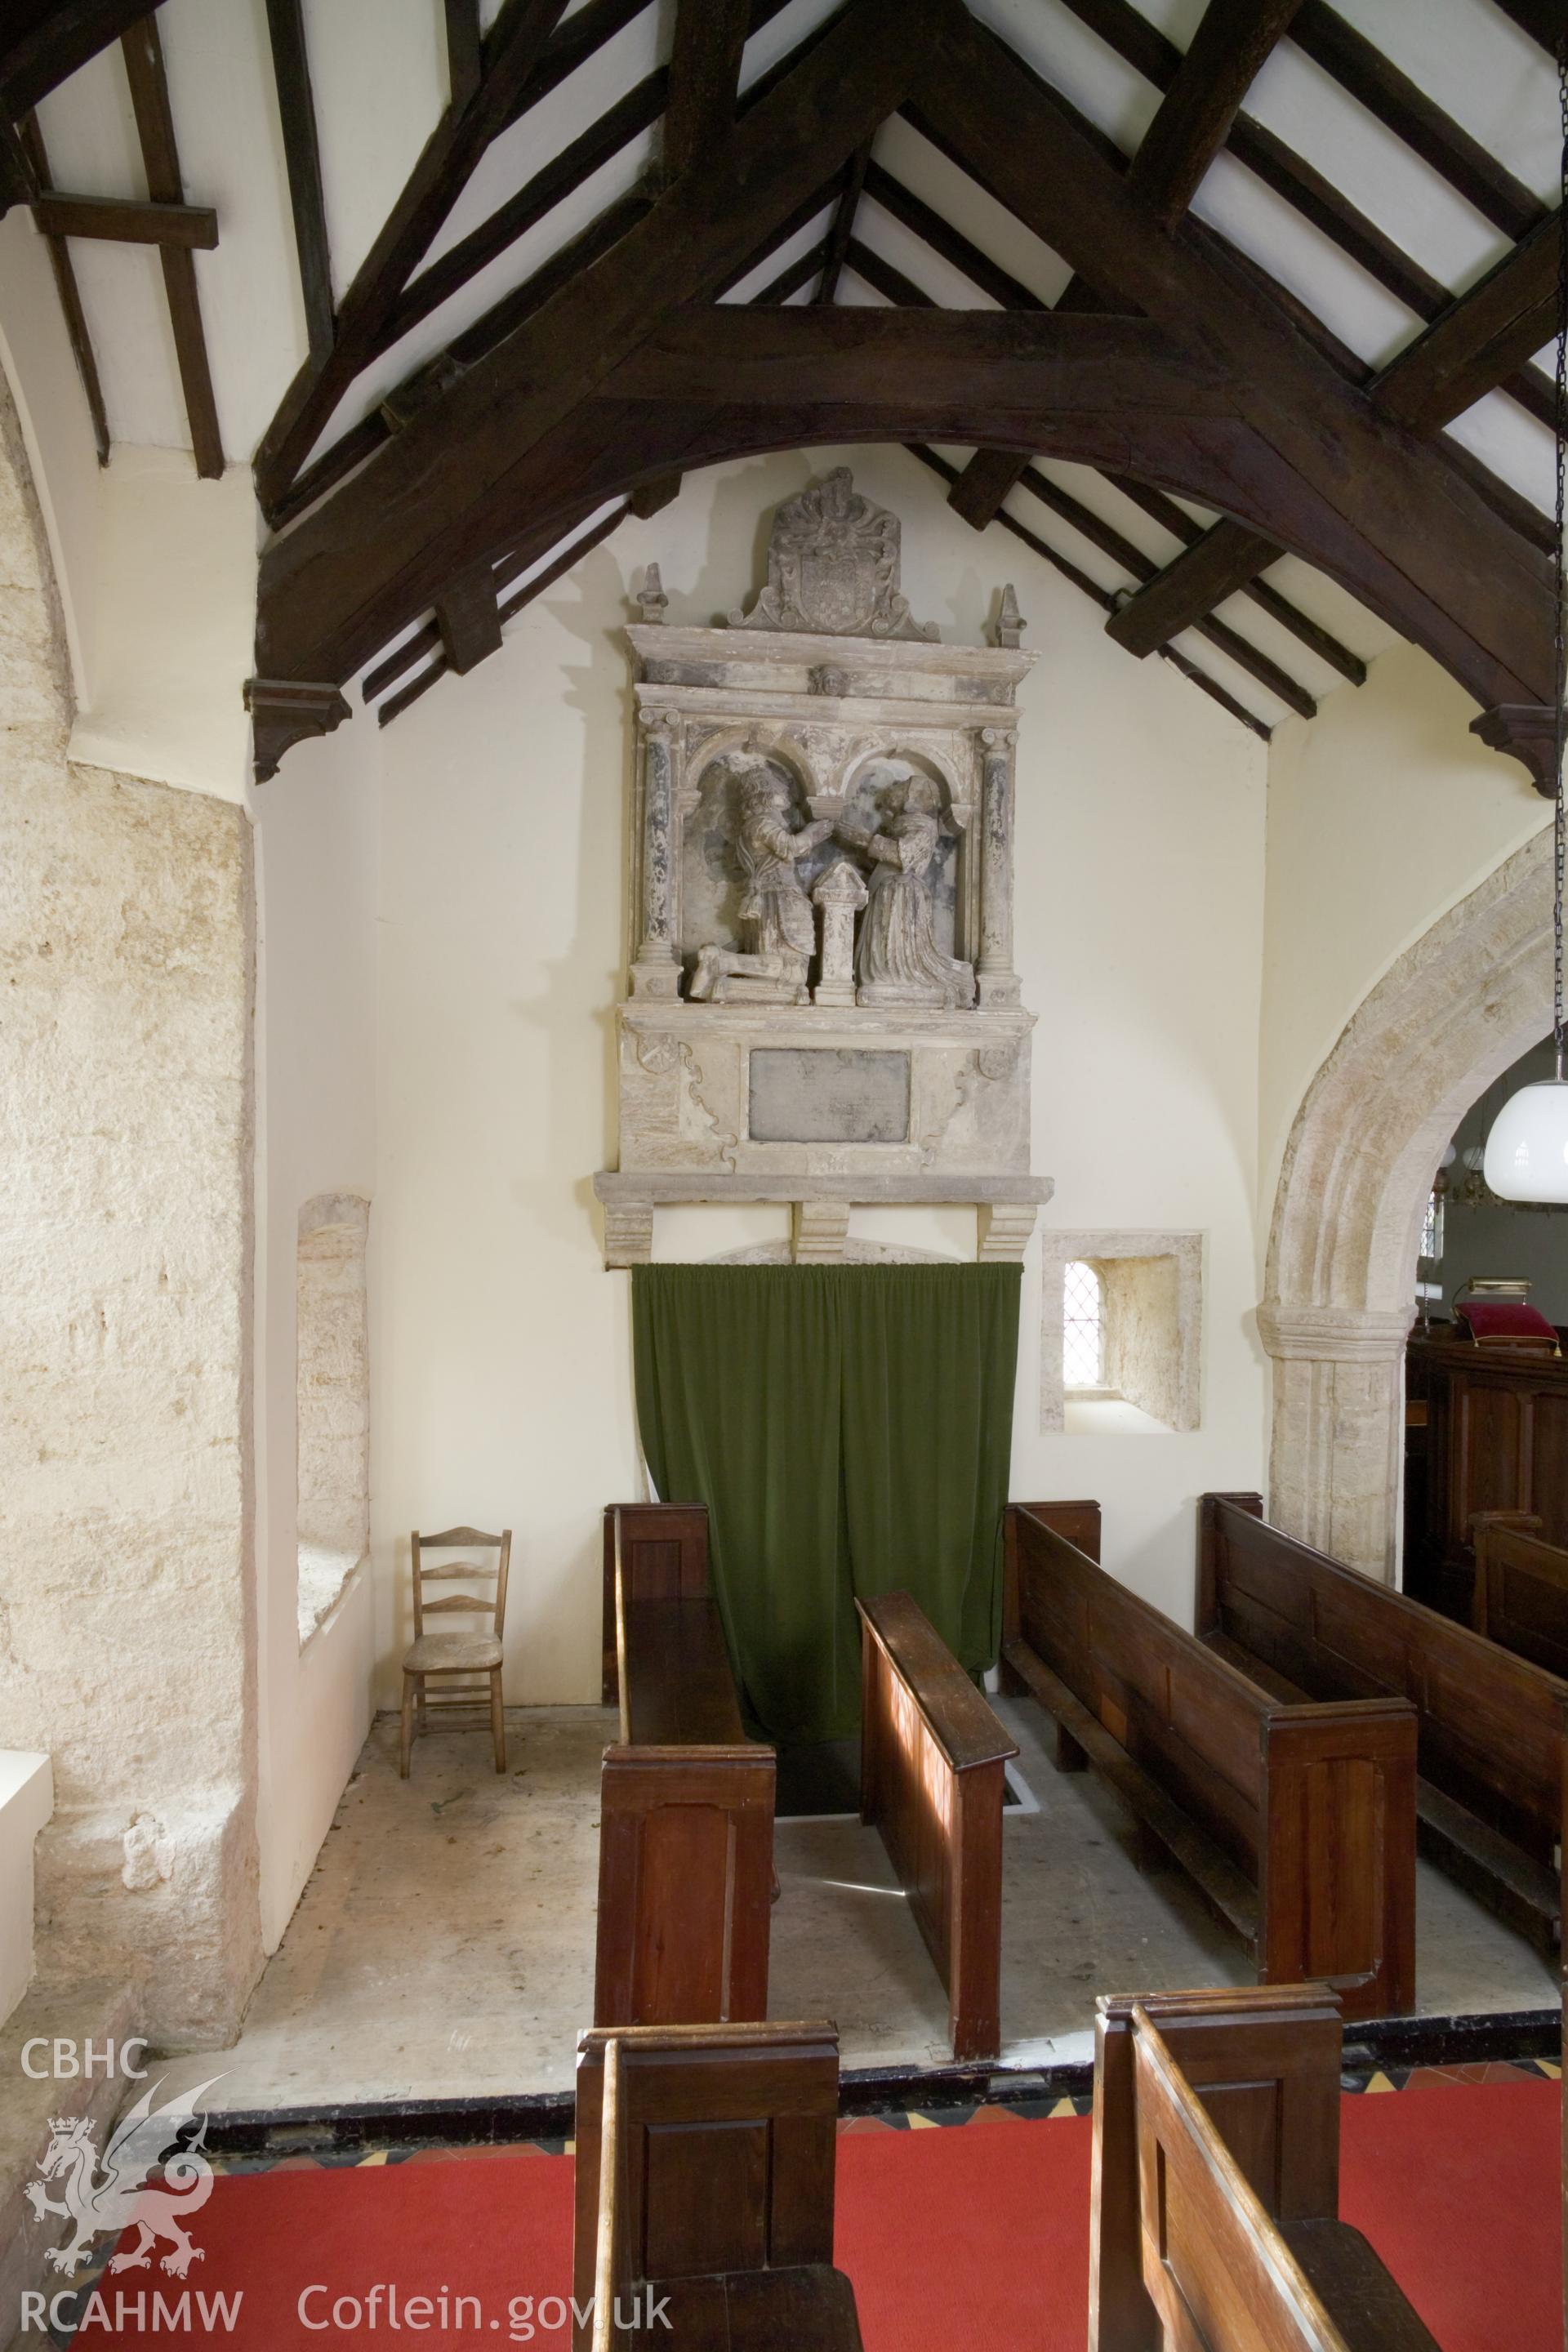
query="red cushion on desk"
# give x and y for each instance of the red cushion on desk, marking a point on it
(1505, 1319)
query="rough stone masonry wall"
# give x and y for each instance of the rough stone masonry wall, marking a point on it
(127, 1623)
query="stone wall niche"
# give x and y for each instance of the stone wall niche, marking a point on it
(1152, 1289)
(821, 1006)
(332, 1393)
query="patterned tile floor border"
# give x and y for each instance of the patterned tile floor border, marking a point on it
(897, 2118)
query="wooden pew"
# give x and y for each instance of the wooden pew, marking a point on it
(931, 1781)
(1496, 1439)
(1522, 1588)
(1296, 1821)
(1487, 1802)
(705, 2175)
(1215, 2223)
(660, 1551)
(686, 1808)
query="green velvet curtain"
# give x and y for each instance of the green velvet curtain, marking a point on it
(849, 1429)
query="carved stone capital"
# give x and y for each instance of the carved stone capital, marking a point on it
(999, 739)
(1337, 1335)
(1525, 732)
(284, 711)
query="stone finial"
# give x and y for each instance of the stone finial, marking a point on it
(652, 601)
(833, 567)
(1010, 622)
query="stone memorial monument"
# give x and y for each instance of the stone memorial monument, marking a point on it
(823, 1009)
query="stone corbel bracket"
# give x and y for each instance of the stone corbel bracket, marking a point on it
(820, 1207)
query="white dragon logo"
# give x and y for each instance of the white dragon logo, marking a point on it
(121, 2200)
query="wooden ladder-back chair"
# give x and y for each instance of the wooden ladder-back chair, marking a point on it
(464, 1663)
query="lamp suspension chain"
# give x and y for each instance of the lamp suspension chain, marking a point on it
(1560, 669)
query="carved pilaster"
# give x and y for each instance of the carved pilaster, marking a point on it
(1334, 1463)
(656, 970)
(821, 1230)
(996, 982)
(1005, 1230)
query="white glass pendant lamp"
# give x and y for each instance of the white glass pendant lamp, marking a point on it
(1527, 1150)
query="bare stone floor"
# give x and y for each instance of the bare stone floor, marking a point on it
(444, 1946)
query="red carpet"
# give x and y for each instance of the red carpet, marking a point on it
(970, 2238)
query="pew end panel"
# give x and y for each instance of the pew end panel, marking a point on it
(661, 1552)
(1206, 1605)
(1223, 2272)
(1522, 1588)
(1337, 1885)
(1488, 1805)
(685, 1880)
(933, 1758)
(1080, 1525)
(704, 2155)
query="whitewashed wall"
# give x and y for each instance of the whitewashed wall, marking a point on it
(317, 834)
(1383, 813)
(501, 1364)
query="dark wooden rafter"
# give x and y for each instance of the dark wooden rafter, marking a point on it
(704, 78)
(956, 249)
(42, 44)
(668, 403)
(350, 450)
(1321, 465)
(1177, 597)
(1202, 101)
(512, 50)
(884, 280)
(397, 704)
(841, 229)
(303, 160)
(1232, 43)
(1541, 19)
(143, 54)
(368, 328)
(69, 296)
(125, 220)
(1479, 339)
(1376, 82)
(468, 618)
(465, 52)
(1181, 526)
(1128, 32)
(1104, 598)
(703, 230)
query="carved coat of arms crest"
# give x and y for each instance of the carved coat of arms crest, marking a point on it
(833, 567)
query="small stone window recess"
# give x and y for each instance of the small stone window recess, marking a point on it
(332, 1402)
(1121, 1319)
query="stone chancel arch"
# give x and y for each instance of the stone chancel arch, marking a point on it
(1447, 1018)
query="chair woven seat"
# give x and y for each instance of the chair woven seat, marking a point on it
(435, 1654)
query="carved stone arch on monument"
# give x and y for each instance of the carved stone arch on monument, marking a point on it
(709, 877)
(953, 884)
(1448, 1017)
